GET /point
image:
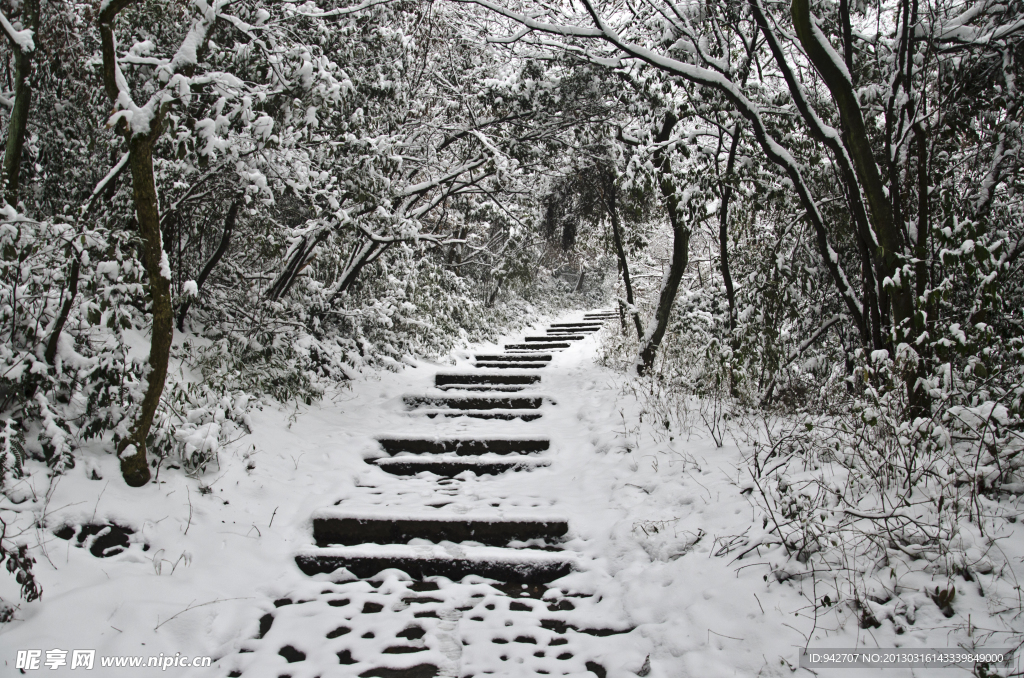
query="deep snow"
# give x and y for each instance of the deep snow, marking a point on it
(648, 510)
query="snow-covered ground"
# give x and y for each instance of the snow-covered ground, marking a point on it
(648, 512)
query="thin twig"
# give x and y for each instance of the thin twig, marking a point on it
(192, 607)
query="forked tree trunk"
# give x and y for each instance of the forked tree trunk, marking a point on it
(680, 253)
(132, 449)
(902, 300)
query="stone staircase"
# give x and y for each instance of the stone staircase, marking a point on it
(418, 591)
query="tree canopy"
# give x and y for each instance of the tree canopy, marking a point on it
(810, 205)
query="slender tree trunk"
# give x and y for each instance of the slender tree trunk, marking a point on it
(300, 258)
(622, 312)
(494, 294)
(847, 28)
(225, 240)
(22, 100)
(365, 254)
(132, 449)
(51, 345)
(890, 239)
(680, 253)
(723, 228)
(723, 248)
(610, 193)
(921, 253)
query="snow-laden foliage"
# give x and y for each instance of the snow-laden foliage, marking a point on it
(337, 188)
(842, 187)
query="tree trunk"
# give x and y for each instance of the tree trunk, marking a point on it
(132, 449)
(365, 254)
(22, 99)
(301, 256)
(225, 240)
(610, 193)
(723, 251)
(494, 294)
(723, 228)
(680, 253)
(51, 345)
(890, 239)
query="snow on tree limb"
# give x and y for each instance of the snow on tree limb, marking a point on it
(22, 40)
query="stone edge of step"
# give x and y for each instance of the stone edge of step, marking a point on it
(486, 459)
(483, 515)
(443, 552)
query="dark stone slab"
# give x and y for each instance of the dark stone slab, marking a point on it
(463, 446)
(455, 569)
(459, 402)
(450, 468)
(442, 379)
(351, 531)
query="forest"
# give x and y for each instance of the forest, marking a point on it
(805, 215)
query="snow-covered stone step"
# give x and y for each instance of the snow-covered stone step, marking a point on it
(506, 415)
(512, 365)
(583, 325)
(504, 357)
(452, 465)
(482, 388)
(475, 402)
(538, 346)
(390, 626)
(448, 560)
(548, 338)
(569, 331)
(464, 446)
(461, 378)
(600, 316)
(336, 527)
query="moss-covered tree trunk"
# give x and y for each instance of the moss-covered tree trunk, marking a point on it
(132, 449)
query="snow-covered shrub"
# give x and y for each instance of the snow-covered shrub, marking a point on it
(197, 422)
(63, 350)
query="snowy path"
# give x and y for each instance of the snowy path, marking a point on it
(440, 561)
(457, 506)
